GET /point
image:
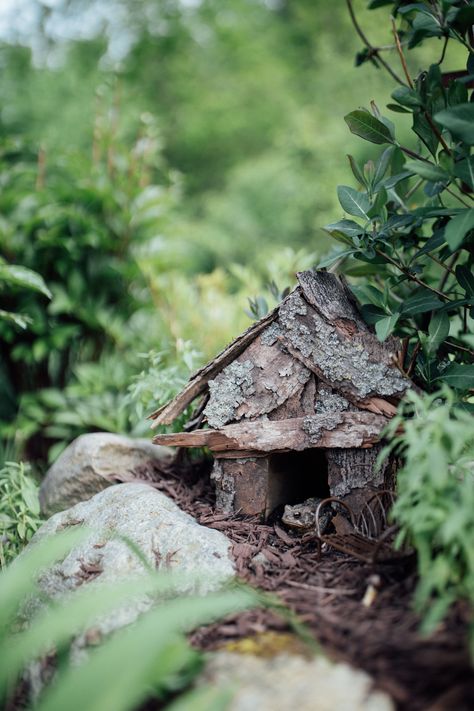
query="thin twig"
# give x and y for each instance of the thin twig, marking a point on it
(443, 52)
(401, 55)
(450, 265)
(437, 132)
(373, 50)
(441, 264)
(458, 197)
(411, 276)
(413, 189)
(460, 348)
(413, 359)
(319, 588)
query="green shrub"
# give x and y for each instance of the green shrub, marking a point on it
(413, 233)
(19, 509)
(75, 222)
(435, 504)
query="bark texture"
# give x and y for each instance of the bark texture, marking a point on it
(333, 429)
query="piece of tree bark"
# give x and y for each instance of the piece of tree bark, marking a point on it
(351, 361)
(260, 380)
(198, 382)
(337, 429)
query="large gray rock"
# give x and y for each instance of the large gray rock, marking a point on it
(92, 463)
(292, 682)
(167, 537)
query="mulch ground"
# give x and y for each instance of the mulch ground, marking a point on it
(433, 674)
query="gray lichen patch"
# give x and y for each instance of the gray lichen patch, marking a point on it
(225, 488)
(341, 361)
(270, 335)
(228, 391)
(315, 426)
(329, 401)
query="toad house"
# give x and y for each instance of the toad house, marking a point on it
(295, 406)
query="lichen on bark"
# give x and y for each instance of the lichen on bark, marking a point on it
(315, 426)
(228, 391)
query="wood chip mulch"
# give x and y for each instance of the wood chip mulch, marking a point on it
(419, 673)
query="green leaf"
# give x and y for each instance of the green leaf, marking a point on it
(407, 97)
(356, 171)
(382, 165)
(438, 331)
(465, 279)
(424, 131)
(368, 127)
(465, 171)
(379, 204)
(459, 120)
(433, 243)
(385, 326)
(459, 376)
(17, 319)
(24, 277)
(348, 228)
(153, 648)
(371, 313)
(458, 227)
(419, 302)
(331, 258)
(353, 202)
(207, 698)
(398, 109)
(427, 171)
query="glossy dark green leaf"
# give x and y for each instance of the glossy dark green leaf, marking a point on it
(332, 258)
(459, 120)
(391, 182)
(353, 202)
(385, 326)
(419, 302)
(371, 313)
(433, 243)
(458, 227)
(398, 109)
(457, 93)
(427, 171)
(438, 331)
(368, 127)
(379, 203)
(356, 171)
(348, 227)
(424, 131)
(23, 277)
(465, 171)
(459, 376)
(382, 165)
(465, 279)
(407, 97)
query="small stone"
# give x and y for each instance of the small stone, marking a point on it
(92, 463)
(292, 682)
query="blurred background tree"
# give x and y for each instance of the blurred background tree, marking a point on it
(161, 161)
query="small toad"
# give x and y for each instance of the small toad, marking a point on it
(303, 516)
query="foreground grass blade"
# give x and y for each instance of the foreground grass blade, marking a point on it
(144, 656)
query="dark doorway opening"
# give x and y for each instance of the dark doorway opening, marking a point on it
(296, 476)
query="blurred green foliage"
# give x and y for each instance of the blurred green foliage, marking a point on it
(160, 661)
(19, 509)
(435, 504)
